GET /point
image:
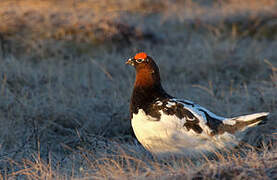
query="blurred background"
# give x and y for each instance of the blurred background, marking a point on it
(64, 85)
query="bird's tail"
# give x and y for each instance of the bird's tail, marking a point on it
(241, 123)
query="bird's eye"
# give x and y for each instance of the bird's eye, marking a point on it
(139, 60)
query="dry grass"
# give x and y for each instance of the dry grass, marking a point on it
(129, 161)
(64, 87)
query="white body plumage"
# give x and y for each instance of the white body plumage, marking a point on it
(169, 136)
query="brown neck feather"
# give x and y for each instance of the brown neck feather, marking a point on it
(145, 78)
(147, 88)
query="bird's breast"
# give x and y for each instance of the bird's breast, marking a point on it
(167, 135)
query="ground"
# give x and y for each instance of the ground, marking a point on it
(65, 88)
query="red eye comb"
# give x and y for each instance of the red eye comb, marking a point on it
(141, 55)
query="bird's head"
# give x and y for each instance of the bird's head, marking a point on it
(147, 72)
(141, 61)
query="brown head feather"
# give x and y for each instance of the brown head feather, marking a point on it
(147, 73)
(147, 86)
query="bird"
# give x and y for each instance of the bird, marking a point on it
(166, 125)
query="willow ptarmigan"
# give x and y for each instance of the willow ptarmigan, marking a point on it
(164, 124)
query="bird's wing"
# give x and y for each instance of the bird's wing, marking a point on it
(201, 120)
(192, 116)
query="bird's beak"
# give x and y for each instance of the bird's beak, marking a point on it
(130, 61)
